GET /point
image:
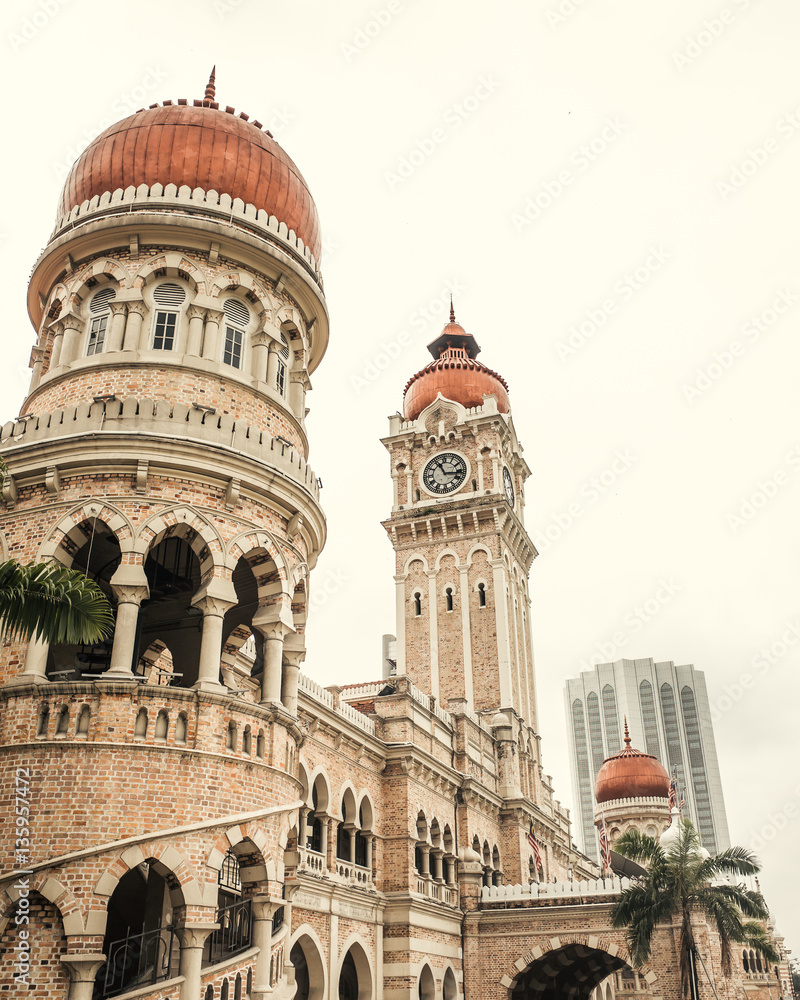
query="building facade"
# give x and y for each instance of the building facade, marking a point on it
(668, 713)
(195, 818)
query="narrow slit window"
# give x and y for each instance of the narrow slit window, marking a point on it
(481, 595)
(417, 604)
(448, 596)
(280, 372)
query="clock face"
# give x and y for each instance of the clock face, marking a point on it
(508, 486)
(444, 473)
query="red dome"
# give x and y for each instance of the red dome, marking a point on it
(631, 774)
(455, 374)
(199, 146)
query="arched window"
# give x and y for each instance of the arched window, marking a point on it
(180, 728)
(82, 725)
(745, 963)
(169, 298)
(448, 596)
(140, 727)
(417, 604)
(230, 739)
(237, 316)
(237, 987)
(62, 725)
(481, 595)
(162, 725)
(44, 720)
(99, 311)
(280, 370)
(209, 994)
(260, 743)
(223, 993)
(247, 740)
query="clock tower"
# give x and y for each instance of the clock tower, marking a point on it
(457, 527)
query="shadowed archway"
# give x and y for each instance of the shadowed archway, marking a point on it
(571, 971)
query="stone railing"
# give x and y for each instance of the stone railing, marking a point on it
(353, 874)
(579, 891)
(162, 419)
(321, 694)
(312, 861)
(226, 209)
(440, 891)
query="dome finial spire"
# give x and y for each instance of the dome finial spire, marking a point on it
(211, 88)
(627, 734)
(452, 312)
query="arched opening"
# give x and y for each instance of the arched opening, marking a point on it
(84, 717)
(98, 557)
(43, 721)
(169, 629)
(355, 977)
(574, 970)
(426, 988)
(315, 822)
(309, 970)
(346, 830)
(449, 985)
(140, 943)
(234, 907)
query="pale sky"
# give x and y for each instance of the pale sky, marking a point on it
(610, 189)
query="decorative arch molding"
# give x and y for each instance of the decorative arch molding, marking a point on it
(305, 932)
(347, 786)
(589, 941)
(443, 555)
(249, 842)
(103, 267)
(320, 772)
(233, 281)
(174, 265)
(291, 316)
(304, 777)
(416, 557)
(477, 547)
(54, 892)
(364, 967)
(185, 890)
(426, 981)
(68, 535)
(188, 523)
(249, 545)
(365, 800)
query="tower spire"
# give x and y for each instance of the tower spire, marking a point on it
(452, 312)
(211, 88)
(627, 734)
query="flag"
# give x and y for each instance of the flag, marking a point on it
(605, 847)
(673, 792)
(535, 848)
(681, 804)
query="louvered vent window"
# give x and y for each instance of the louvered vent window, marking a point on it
(170, 297)
(237, 317)
(280, 375)
(100, 309)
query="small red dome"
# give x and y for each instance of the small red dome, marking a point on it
(455, 374)
(631, 774)
(199, 146)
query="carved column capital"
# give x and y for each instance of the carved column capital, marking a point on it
(118, 308)
(82, 969)
(136, 306)
(196, 312)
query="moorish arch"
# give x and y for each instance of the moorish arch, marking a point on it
(570, 967)
(307, 956)
(173, 265)
(103, 267)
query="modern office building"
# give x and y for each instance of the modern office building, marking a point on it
(668, 716)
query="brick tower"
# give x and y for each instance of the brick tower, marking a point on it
(463, 554)
(162, 449)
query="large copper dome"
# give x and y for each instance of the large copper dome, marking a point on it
(631, 774)
(455, 374)
(200, 146)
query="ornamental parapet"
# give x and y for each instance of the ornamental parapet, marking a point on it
(599, 890)
(161, 418)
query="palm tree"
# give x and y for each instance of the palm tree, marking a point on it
(682, 878)
(50, 602)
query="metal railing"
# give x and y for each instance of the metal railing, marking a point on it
(234, 933)
(136, 960)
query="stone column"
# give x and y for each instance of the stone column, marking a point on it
(294, 653)
(214, 601)
(58, 343)
(323, 840)
(258, 355)
(116, 333)
(330, 846)
(193, 937)
(426, 861)
(133, 326)
(351, 832)
(194, 341)
(409, 485)
(302, 832)
(272, 678)
(82, 969)
(129, 585)
(272, 366)
(35, 669)
(299, 384)
(437, 866)
(370, 851)
(211, 334)
(70, 349)
(264, 908)
(37, 360)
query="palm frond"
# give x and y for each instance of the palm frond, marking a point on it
(757, 938)
(53, 603)
(640, 908)
(735, 860)
(639, 847)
